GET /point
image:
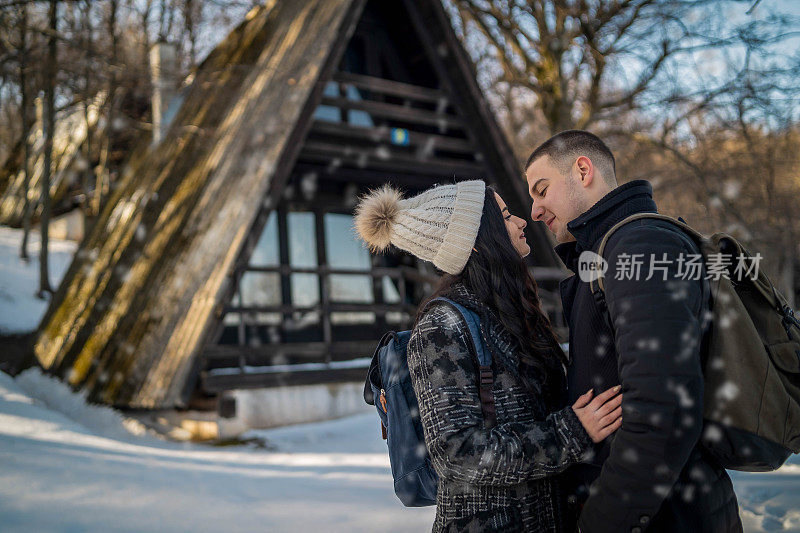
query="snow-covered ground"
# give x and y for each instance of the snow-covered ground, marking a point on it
(58, 475)
(68, 467)
(20, 310)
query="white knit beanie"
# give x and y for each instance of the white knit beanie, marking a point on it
(440, 225)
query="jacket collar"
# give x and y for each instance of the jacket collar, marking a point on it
(632, 197)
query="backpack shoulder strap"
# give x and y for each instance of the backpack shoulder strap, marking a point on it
(474, 325)
(484, 358)
(599, 286)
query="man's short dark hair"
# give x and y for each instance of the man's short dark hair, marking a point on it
(563, 148)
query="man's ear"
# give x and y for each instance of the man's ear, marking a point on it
(585, 170)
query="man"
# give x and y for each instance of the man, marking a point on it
(652, 474)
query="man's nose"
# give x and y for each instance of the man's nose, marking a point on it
(536, 212)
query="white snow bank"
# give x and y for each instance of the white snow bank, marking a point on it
(57, 476)
(770, 501)
(20, 309)
(56, 396)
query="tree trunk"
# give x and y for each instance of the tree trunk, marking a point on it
(26, 126)
(102, 178)
(189, 26)
(87, 98)
(49, 126)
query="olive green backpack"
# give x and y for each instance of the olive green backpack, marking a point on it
(751, 362)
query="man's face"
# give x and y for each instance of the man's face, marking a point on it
(555, 197)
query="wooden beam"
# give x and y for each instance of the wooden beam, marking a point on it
(395, 88)
(347, 349)
(324, 281)
(398, 112)
(548, 273)
(283, 254)
(334, 307)
(383, 134)
(220, 383)
(324, 269)
(388, 161)
(351, 174)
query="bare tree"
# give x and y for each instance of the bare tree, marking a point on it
(701, 104)
(88, 90)
(49, 127)
(191, 10)
(112, 89)
(584, 63)
(103, 59)
(739, 178)
(727, 162)
(26, 127)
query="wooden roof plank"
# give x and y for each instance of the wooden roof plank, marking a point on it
(395, 88)
(398, 112)
(429, 141)
(389, 159)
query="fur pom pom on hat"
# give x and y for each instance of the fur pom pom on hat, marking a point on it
(440, 225)
(376, 215)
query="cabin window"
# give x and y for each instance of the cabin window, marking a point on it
(233, 319)
(303, 254)
(265, 253)
(329, 113)
(260, 289)
(345, 252)
(357, 117)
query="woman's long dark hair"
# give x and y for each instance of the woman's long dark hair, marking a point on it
(499, 278)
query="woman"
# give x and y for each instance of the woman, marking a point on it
(498, 478)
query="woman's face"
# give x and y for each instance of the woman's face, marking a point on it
(515, 227)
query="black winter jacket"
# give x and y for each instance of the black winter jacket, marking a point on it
(651, 474)
(498, 479)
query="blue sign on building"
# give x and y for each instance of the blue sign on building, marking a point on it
(400, 136)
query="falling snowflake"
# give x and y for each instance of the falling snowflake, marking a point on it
(382, 152)
(630, 455)
(662, 490)
(731, 189)
(686, 401)
(728, 391)
(712, 434)
(652, 344)
(421, 451)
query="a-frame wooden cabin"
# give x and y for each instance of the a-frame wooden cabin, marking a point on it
(227, 253)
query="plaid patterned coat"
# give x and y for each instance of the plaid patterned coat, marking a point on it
(498, 479)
